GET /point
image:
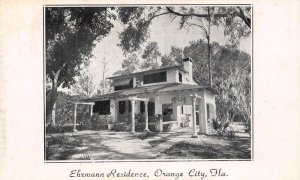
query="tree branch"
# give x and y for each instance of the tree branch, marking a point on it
(193, 14)
(193, 24)
(241, 14)
(246, 19)
(157, 15)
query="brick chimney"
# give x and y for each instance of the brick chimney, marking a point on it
(188, 66)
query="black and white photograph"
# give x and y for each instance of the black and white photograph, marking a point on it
(171, 90)
(148, 82)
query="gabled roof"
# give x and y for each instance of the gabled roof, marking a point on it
(169, 87)
(148, 72)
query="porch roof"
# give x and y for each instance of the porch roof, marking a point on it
(148, 89)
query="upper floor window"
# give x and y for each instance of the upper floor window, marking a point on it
(125, 84)
(155, 78)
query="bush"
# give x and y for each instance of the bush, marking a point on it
(120, 126)
(140, 127)
(100, 121)
(62, 140)
(223, 128)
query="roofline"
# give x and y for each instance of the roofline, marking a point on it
(142, 72)
(98, 98)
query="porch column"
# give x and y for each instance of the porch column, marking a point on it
(91, 110)
(75, 114)
(194, 98)
(132, 116)
(146, 115)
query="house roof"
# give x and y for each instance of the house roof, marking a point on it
(148, 71)
(169, 87)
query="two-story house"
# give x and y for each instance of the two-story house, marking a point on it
(170, 92)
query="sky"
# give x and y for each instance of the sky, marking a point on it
(163, 32)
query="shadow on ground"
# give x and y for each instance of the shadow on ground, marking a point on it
(126, 146)
(222, 148)
(96, 146)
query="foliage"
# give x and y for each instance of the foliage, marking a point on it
(233, 82)
(146, 135)
(231, 77)
(158, 117)
(100, 121)
(71, 34)
(186, 120)
(235, 19)
(149, 60)
(151, 55)
(85, 85)
(223, 128)
(139, 118)
(120, 126)
(64, 114)
(174, 58)
(130, 64)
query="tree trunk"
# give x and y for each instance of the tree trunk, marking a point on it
(53, 95)
(209, 49)
(209, 63)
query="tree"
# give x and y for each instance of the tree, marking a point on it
(71, 34)
(231, 77)
(174, 58)
(85, 85)
(151, 55)
(233, 82)
(104, 71)
(133, 63)
(140, 18)
(129, 65)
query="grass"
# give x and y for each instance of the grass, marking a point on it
(212, 147)
(113, 145)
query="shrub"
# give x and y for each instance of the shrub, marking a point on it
(120, 126)
(100, 121)
(223, 128)
(139, 118)
(62, 140)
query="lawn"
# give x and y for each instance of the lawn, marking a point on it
(107, 145)
(209, 147)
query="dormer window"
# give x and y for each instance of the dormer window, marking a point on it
(155, 78)
(120, 84)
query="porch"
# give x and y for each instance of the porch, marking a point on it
(175, 106)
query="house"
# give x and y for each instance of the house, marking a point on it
(170, 92)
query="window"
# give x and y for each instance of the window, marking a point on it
(167, 111)
(151, 108)
(155, 78)
(129, 106)
(129, 86)
(180, 77)
(121, 107)
(102, 107)
(142, 106)
(182, 110)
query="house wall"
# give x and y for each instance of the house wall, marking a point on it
(210, 100)
(113, 109)
(178, 99)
